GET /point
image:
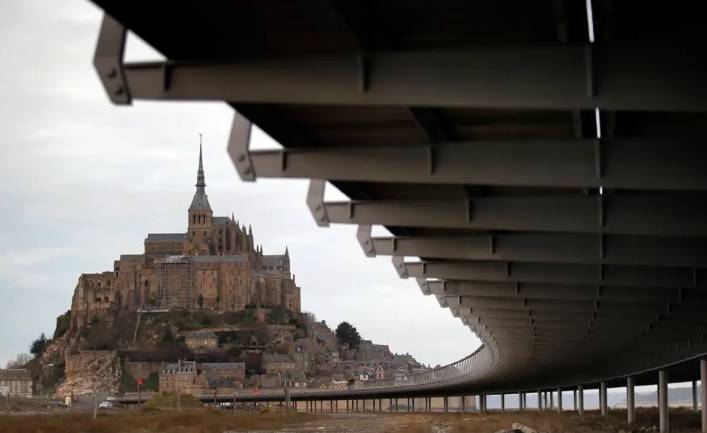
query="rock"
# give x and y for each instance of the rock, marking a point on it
(101, 373)
(522, 428)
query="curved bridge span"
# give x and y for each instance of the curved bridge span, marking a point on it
(540, 165)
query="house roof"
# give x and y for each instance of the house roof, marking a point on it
(201, 334)
(15, 374)
(221, 366)
(165, 237)
(272, 260)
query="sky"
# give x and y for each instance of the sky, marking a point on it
(83, 181)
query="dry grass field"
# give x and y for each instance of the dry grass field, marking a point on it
(204, 420)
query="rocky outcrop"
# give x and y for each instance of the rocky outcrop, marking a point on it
(99, 371)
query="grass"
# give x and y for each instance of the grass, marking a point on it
(681, 420)
(152, 421)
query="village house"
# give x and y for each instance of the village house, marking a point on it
(15, 382)
(276, 363)
(178, 376)
(201, 340)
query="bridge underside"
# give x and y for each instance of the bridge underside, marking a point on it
(542, 168)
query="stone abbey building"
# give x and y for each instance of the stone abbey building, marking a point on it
(214, 265)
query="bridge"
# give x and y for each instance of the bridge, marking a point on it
(539, 165)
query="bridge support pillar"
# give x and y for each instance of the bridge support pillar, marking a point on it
(462, 403)
(559, 400)
(520, 401)
(390, 405)
(603, 405)
(694, 395)
(503, 402)
(396, 405)
(630, 401)
(552, 400)
(574, 400)
(580, 399)
(663, 401)
(380, 405)
(540, 401)
(321, 405)
(445, 400)
(413, 404)
(703, 391)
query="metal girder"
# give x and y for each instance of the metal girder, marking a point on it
(551, 247)
(108, 60)
(557, 291)
(524, 304)
(528, 77)
(570, 273)
(649, 215)
(619, 163)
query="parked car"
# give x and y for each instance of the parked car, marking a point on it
(106, 405)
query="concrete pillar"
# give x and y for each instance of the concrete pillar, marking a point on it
(630, 401)
(540, 401)
(580, 399)
(413, 404)
(462, 403)
(552, 400)
(559, 400)
(396, 404)
(603, 404)
(520, 401)
(347, 405)
(503, 402)
(446, 403)
(703, 392)
(663, 401)
(574, 400)
(694, 395)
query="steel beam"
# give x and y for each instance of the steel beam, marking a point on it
(556, 163)
(570, 273)
(551, 247)
(641, 215)
(529, 77)
(559, 291)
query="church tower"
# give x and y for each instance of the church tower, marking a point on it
(200, 233)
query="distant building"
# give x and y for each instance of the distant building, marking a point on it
(214, 265)
(380, 372)
(178, 376)
(15, 382)
(276, 363)
(224, 370)
(201, 340)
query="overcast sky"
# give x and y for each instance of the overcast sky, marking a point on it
(82, 181)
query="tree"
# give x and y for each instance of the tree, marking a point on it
(19, 362)
(347, 334)
(37, 347)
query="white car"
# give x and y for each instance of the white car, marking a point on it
(105, 405)
(111, 398)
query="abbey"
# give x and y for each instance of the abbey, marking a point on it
(214, 265)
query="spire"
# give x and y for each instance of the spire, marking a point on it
(287, 252)
(200, 200)
(200, 172)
